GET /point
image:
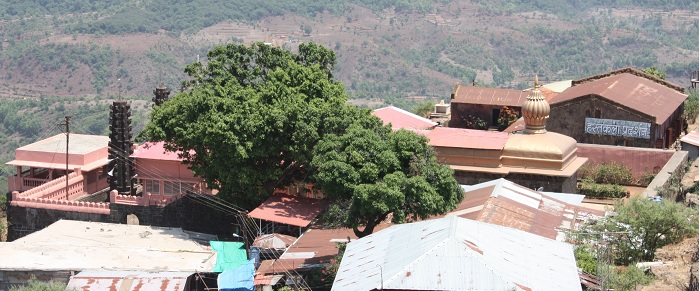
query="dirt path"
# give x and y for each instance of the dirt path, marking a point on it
(674, 274)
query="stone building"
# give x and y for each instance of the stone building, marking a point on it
(533, 157)
(486, 103)
(625, 107)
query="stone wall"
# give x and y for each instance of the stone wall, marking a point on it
(192, 213)
(548, 183)
(641, 161)
(568, 118)
(24, 220)
(674, 166)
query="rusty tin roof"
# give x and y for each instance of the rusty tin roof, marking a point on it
(641, 94)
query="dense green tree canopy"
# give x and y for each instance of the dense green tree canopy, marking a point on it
(384, 172)
(256, 118)
(251, 117)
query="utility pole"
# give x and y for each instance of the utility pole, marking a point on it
(67, 132)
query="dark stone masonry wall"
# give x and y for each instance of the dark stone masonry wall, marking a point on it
(548, 183)
(192, 213)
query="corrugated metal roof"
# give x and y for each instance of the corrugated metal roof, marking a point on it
(315, 246)
(559, 86)
(287, 209)
(274, 241)
(467, 138)
(505, 203)
(635, 92)
(490, 96)
(454, 253)
(402, 119)
(691, 137)
(267, 279)
(128, 281)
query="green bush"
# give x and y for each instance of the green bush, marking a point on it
(592, 189)
(3, 202)
(608, 173)
(585, 259)
(35, 285)
(473, 122)
(629, 277)
(614, 173)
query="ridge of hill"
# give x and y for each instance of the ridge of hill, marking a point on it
(387, 50)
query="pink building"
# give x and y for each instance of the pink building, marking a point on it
(45, 160)
(40, 181)
(161, 172)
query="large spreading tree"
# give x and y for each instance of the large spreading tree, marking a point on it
(383, 172)
(250, 117)
(256, 118)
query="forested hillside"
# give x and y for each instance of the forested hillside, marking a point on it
(70, 57)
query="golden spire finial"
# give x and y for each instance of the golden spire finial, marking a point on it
(535, 111)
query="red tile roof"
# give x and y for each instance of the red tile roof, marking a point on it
(629, 90)
(467, 138)
(399, 118)
(292, 210)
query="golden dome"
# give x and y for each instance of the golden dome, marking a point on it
(535, 111)
(534, 147)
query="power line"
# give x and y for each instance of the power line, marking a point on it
(224, 207)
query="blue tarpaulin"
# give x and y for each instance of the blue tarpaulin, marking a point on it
(239, 279)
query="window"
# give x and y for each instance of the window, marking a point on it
(588, 113)
(598, 113)
(171, 188)
(175, 188)
(151, 186)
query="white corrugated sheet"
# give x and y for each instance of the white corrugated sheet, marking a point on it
(454, 253)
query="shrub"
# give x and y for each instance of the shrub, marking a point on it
(614, 173)
(629, 277)
(473, 122)
(3, 202)
(646, 178)
(592, 189)
(607, 173)
(506, 117)
(35, 285)
(585, 259)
